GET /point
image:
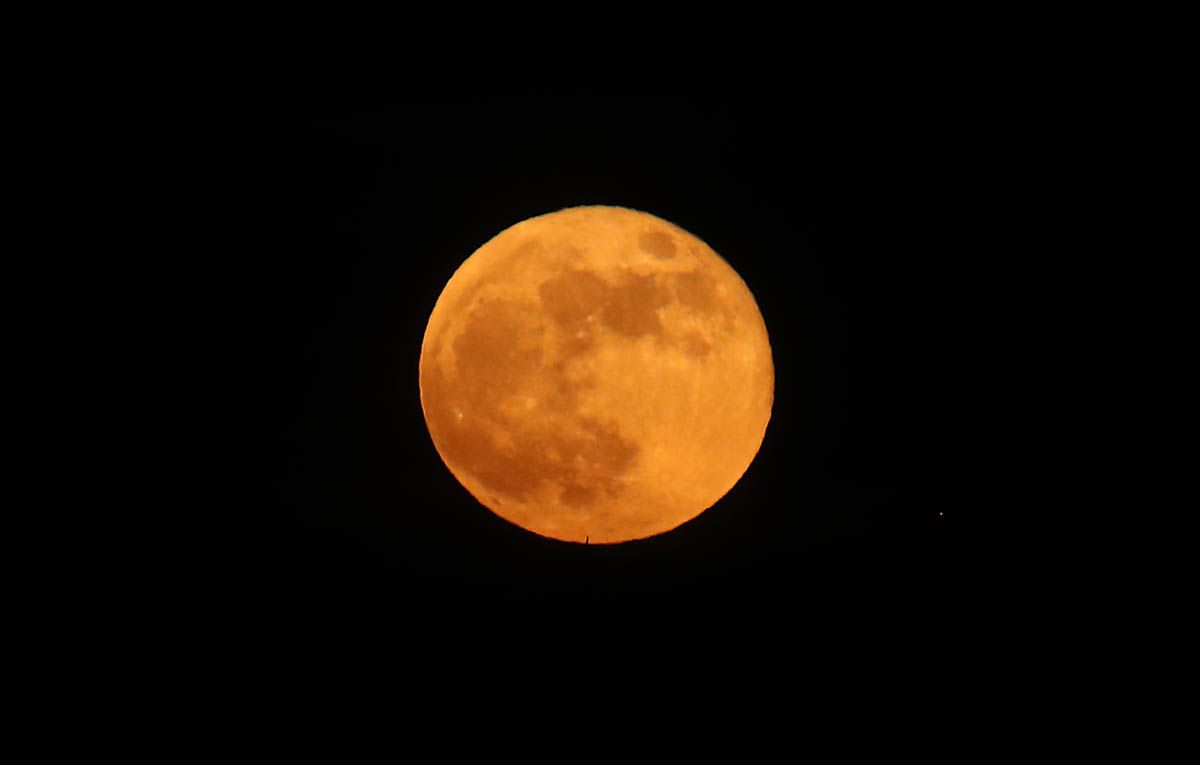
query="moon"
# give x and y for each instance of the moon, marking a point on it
(596, 374)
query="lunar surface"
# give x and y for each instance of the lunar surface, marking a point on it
(596, 374)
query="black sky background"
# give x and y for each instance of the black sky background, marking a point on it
(868, 229)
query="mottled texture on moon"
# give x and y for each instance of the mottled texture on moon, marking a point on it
(596, 374)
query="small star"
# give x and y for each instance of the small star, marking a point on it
(941, 513)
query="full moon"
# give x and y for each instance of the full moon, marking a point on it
(596, 374)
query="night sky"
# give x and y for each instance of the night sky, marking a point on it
(857, 223)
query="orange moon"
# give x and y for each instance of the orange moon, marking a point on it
(596, 374)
